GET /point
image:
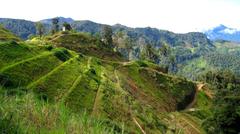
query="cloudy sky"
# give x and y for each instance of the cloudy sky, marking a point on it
(175, 15)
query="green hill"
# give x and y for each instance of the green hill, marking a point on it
(5, 35)
(225, 56)
(78, 85)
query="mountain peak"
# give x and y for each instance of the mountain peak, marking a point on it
(218, 28)
(61, 20)
(223, 32)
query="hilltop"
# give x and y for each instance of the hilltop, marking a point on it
(71, 82)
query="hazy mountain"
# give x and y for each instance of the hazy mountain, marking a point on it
(21, 28)
(61, 20)
(222, 32)
(25, 28)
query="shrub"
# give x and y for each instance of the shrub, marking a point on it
(4, 81)
(62, 54)
(49, 47)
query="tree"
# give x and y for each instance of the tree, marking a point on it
(55, 25)
(128, 46)
(107, 36)
(164, 50)
(67, 26)
(40, 29)
(172, 63)
(226, 104)
(150, 54)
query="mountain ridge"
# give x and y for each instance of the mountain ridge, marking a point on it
(223, 32)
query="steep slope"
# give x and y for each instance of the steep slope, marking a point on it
(5, 35)
(225, 56)
(99, 83)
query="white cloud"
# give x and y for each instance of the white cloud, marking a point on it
(174, 15)
(229, 31)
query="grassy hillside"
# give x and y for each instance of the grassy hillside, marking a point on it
(5, 35)
(85, 44)
(84, 88)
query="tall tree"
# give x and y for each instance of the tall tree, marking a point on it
(40, 29)
(150, 53)
(128, 46)
(55, 25)
(107, 36)
(164, 50)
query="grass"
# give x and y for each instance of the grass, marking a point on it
(83, 94)
(60, 91)
(23, 73)
(55, 84)
(26, 114)
(12, 52)
(5, 35)
(171, 92)
(85, 44)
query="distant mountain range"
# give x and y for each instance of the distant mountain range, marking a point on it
(61, 20)
(24, 28)
(222, 32)
(191, 44)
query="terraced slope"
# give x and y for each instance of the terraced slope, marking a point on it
(132, 94)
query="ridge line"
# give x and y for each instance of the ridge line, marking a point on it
(77, 80)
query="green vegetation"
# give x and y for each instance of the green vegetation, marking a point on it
(226, 56)
(70, 82)
(5, 35)
(225, 108)
(26, 114)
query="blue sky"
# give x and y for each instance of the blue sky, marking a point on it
(175, 15)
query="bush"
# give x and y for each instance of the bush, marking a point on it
(62, 54)
(4, 81)
(49, 47)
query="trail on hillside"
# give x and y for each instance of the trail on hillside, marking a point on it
(191, 125)
(57, 37)
(117, 78)
(97, 96)
(206, 90)
(51, 72)
(184, 123)
(199, 87)
(26, 60)
(119, 86)
(78, 79)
